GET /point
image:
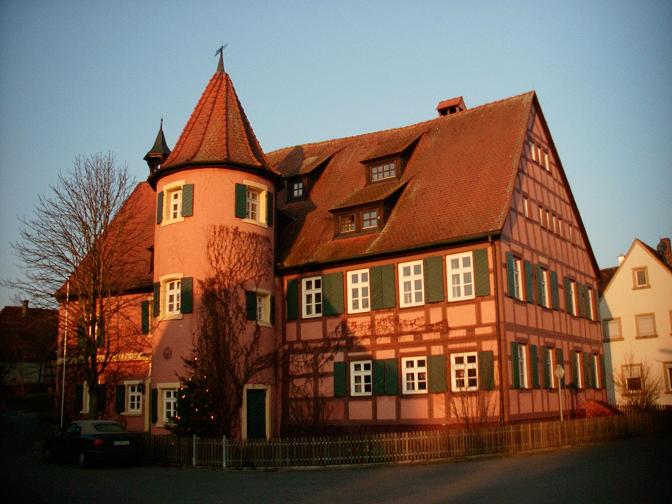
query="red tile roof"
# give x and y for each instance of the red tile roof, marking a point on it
(460, 179)
(217, 132)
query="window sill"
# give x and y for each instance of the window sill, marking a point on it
(175, 316)
(414, 392)
(132, 413)
(361, 396)
(612, 340)
(171, 221)
(416, 305)
(256, 223)
(647, 337)
(263, 323)
(308, 317)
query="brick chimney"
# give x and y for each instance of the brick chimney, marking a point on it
(664, 250)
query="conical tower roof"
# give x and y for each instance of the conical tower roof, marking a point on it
(160, 148)
(217, 133)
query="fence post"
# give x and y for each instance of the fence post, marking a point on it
(193, 451)
(223, 452)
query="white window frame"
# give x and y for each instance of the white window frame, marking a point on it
(597, 367)
(162, 390)
(261, 191)
(522, 365)
(298, 189)
(359, 291)
(636, 284)
(578, 358)
(545, 288)
(165, 282)
(311, 297)
(518, 279)
(526, 207)
(591, 303)
(412, 280)
(383, 171)
(464, 366)
(414, 377)
(169, 191)
(134, 398)
(361, 377)
(550, 363)
(460, 277)
(263, 306)
(574, 297)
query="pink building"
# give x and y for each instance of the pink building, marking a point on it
(423, 276)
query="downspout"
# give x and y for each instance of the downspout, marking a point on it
(496, 270)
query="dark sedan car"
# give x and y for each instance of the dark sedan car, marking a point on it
(89, 441)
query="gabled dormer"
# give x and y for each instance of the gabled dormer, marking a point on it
(386, 161)
(301, 173)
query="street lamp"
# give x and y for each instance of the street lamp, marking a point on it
(560, 373)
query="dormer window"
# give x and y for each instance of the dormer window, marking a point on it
(370, 219)
(359, 221)
(383, 171)
(298, 189)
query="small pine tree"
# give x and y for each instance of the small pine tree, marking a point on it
(195, 411)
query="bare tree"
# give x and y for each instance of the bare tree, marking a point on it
(76, 248)
(229, 348)
(637, 384)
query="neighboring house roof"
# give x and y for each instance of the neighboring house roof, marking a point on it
(458, 184)
(217, 133)
(609, 273)
(27, 338)
(606, 275)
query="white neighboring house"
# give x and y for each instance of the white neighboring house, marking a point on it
(636, 313)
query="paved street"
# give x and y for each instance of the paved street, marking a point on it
(635, 470)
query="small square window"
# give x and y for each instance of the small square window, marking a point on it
(383, 171)
(640, 277)
(346, 223)
(370, 219)
(611, 329)
(411, 284)
(312, 297)
(298, 190)
(361, 378)
(414, 375)
(646, 325)
(464, 367)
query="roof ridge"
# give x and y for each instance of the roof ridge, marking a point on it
(408, 126)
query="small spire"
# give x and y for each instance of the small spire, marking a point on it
(220, 51)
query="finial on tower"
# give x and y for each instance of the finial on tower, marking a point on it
(220, 51)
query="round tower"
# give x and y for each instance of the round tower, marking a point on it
(215, 196)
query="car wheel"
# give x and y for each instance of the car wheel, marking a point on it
(82, 459)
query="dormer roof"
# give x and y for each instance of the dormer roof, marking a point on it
(217, 133)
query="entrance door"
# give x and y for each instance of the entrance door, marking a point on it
(256, 413)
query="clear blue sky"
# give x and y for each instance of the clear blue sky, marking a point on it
(79, 77)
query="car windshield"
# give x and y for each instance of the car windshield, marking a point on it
(108, 427)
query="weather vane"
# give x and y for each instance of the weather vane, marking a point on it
(220, 51)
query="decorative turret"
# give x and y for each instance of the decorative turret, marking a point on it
(159, 151)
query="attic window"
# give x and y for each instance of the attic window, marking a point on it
(383, 171)
(363, 220)
(298, 189)
(346, 223)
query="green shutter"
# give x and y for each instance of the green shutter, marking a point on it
(157, 299)
(187, 295)
(481, 272)
(391, 377)
(187, 200)
(569, 305)
(555, 298)
(159, 207)
(251, 305)
(529, 282)
(241, 201)
(575, 368)
(144, 317)
(269, 208)
(378, 377)
(540, 289)
(486, 371)
(437, 373)
(120, 399)
(154, 403)
(383, 294)
(332, 293)
(534, 366)
(559, 359)
(545, 359)
(514, 364)
(510, 275)
(272, 314)
(79, 398)
(340, 380)
(433, 273)
(293, 299)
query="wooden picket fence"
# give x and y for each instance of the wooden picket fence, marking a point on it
(400, 447)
